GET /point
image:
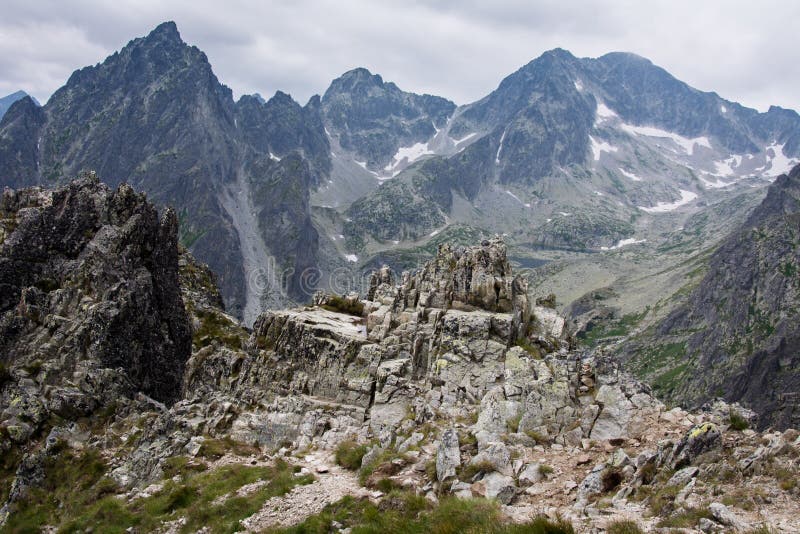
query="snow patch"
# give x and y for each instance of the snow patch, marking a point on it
(564, 213)
(600, 146)
(604, 113)
(408, 155)
(683, 142)
(599, 194)
(727, 167)
(630, 175)
(578, 85)
(351, 257)
(273, 157)
(515, 197)
(465, 138)
(663, 207)
(499, 149)
(723, 109)
(779, 163)
(434, 233)
(624, 243)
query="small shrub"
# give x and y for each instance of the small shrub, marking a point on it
(623, 527)
(737, 421)
(338, 304)
(468, 472)
(349, 455)
(610, 478)
(513, 423)
(545, 470)
(536, 436)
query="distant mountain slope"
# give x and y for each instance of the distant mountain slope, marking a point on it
(738, 335)
(614, 136)
(6, 101)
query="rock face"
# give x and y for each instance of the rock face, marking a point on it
(90, 306)
(373, 118)
(457, 335)
(155, 116)
(743, 341)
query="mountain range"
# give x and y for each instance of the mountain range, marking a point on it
(612, 181)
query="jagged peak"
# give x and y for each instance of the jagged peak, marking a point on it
(165, 30)
(352, 79)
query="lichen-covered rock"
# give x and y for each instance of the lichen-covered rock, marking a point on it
(699, 439)
(448, 455)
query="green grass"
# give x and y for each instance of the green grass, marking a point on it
(349, 455)
(624, 527)
(737, 421)
(77, 496)
(621, 327)
(406, 513)
(215, 327)
(214, 449)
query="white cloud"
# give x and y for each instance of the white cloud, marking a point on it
(458, 49)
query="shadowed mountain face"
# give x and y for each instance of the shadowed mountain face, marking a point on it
(741, 325)
(154, 115)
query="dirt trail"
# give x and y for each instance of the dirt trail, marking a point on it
(303, 501)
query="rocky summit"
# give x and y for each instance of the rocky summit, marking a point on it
(446, 393)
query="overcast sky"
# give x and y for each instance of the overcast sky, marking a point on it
(460, 49)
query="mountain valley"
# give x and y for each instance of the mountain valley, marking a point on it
(570, 305)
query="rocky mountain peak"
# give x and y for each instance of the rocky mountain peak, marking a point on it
(355, 79)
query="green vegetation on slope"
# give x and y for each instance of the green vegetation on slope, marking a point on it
(78, 496)
(406, 513)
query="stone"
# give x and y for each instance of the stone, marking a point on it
(496, 486)
(530, 474)
(683, 476)
(698, 440)
(615, 415)
(497, 455)
(448, 456)
(723, 515)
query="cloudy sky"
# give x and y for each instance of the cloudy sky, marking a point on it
(460, 49)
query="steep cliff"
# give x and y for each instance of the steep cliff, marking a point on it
(90, 306)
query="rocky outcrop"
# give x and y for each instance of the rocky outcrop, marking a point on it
(90, 307)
